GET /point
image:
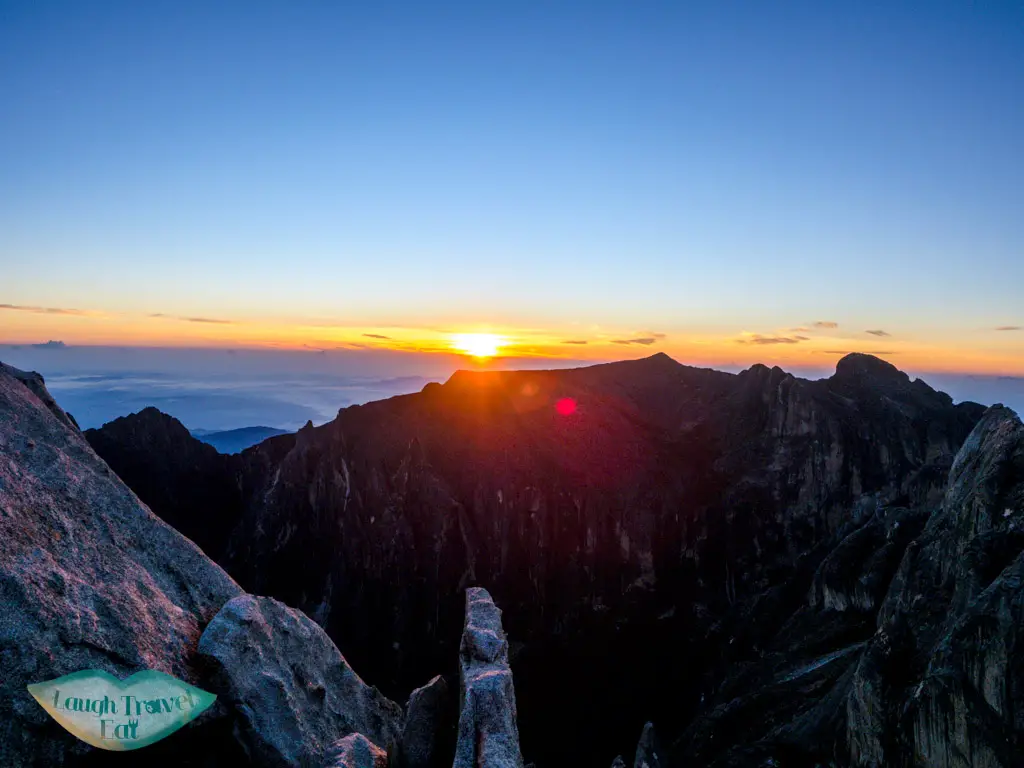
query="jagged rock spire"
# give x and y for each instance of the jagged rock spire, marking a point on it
(488, 736)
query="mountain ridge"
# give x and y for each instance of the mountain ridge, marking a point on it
(667, 491)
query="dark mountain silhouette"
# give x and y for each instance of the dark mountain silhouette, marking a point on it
(651, 531)
(183, 480)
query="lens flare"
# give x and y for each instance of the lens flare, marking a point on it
(566, 406)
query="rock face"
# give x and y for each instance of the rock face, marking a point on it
(427, 732)
(186, 482)
(356, 751)
(488, 736)
(677, 521)
(942, 679)
(89, 577)
(903, 649)
(648, 750)
(35, 384)
(294, 693)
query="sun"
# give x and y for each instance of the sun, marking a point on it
(477, 344)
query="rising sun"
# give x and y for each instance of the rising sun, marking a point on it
(477, 344)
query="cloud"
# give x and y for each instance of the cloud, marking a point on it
(193, 319)
(43, 310)
(376, 336)
(878, 333)
(759, 339)
(1010, 328)
(574, 341)
(51, 345)
(645, 341)
(826, 324)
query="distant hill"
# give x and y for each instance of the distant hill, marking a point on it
(237, 440)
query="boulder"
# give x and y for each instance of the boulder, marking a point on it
(89, 577)
(488, 736)
(294, 693)
(356, 751)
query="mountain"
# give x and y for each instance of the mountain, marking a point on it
(653, 532)
(188, 483)
(237, 440)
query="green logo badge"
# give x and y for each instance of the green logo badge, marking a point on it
(121, 714)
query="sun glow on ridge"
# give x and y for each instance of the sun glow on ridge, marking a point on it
(477, 344)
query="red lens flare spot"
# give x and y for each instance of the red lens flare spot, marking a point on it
(566, 406)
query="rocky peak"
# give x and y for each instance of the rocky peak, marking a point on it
(183, 480)
(147, 430)
(863, 367)
(862, 375)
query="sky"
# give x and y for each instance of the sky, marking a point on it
(726, 182)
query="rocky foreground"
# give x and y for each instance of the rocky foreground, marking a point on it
(92, 579)
(740, 570)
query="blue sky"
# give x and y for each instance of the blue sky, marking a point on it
(690, 169)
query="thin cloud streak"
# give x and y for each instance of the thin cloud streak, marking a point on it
(645, 341)
(212, 320)
(765, 340)
(878, 333)
(44, 310)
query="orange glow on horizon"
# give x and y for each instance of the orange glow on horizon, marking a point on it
(979, 351)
